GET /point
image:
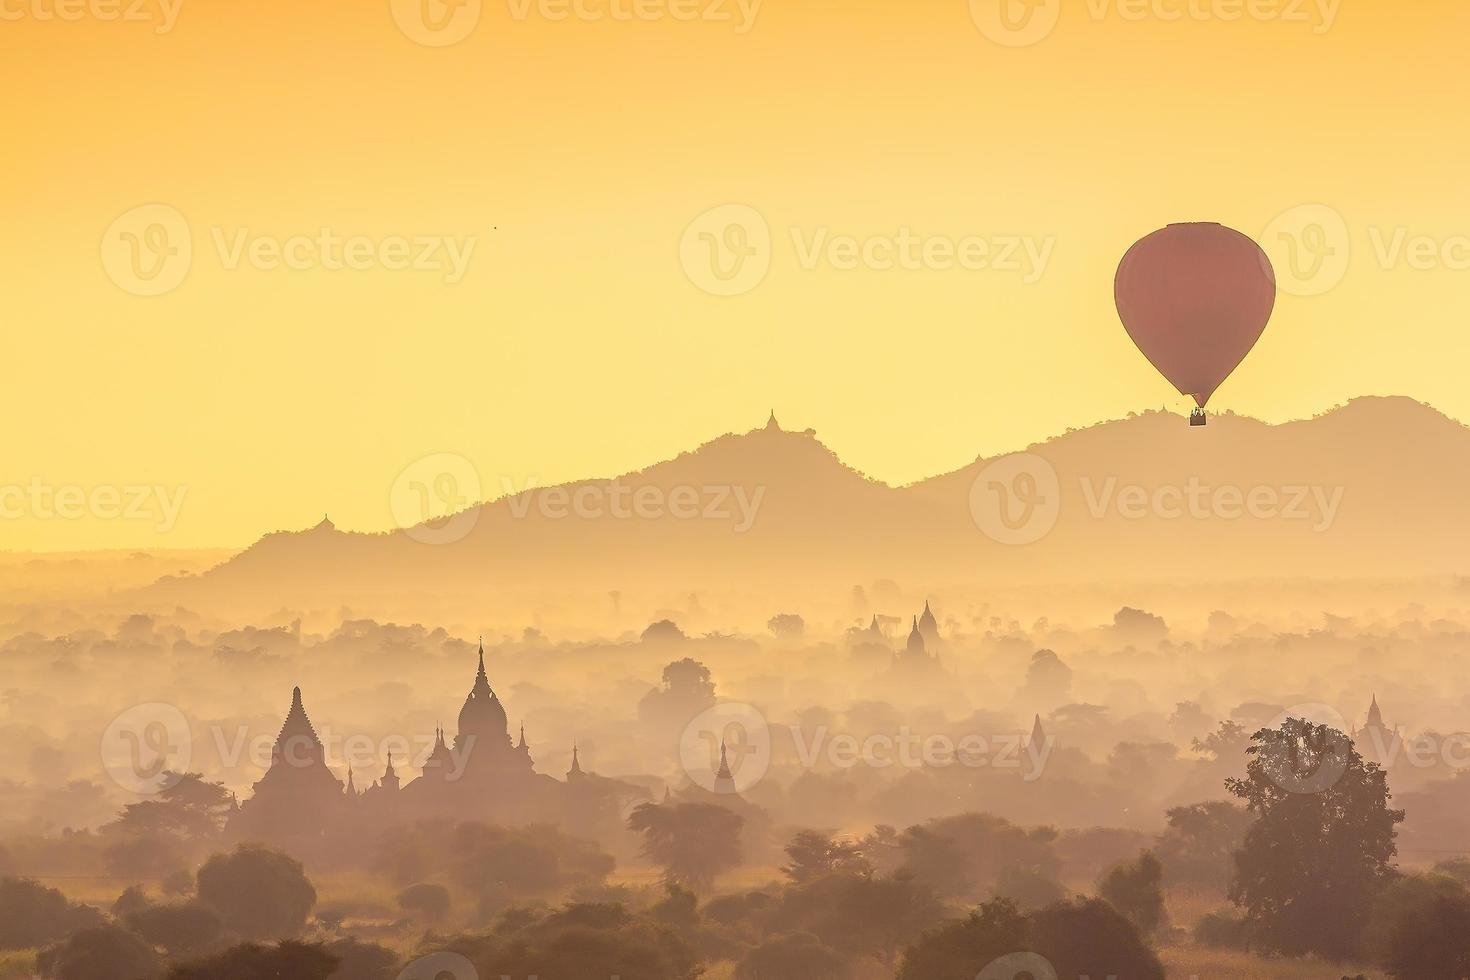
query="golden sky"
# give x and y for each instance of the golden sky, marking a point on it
(565, 148)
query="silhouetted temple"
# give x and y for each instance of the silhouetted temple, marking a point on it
(929, 629)
(1376, 741)
(919, 651)
(480, 775)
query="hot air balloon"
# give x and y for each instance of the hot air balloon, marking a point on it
(1195, 298)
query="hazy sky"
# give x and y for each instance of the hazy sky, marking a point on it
(558, 326)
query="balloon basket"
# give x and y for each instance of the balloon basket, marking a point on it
(1197, 420)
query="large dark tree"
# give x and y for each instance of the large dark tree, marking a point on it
(862, 915)
(1420, 929)
(1089, 938)
(252, 961)
(1084, 938)
(1200, 844)
(793, 956)
(577, 942)
(182, 929)
(1322, 846)
(259, 893)
(101, 953)
(693, 842)
(188, 807)
(1137, 890)
(33, 915)
(964, 855)
(815, 854)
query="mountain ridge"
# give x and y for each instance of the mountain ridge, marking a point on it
(1382, 472)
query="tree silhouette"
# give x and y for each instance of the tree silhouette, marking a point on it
(1199, 846)
(252, 961)
(964, 854)
(1322, 845)
(1137, 890)
(425, 899)
(862, 916)
(1089, 938)
(101, 953)
(1083, 938)
(693, 842)
(259, 893)
(185, 929)
(814, 854)
(33, 915)
(580, 941)
(786, 626)
(793, 956)
(1420, 929)
(187, 808)
(686, 690)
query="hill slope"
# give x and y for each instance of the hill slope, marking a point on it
(1375, 488)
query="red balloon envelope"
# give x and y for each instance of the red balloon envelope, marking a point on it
(1195, 299)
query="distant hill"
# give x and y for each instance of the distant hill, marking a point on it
(1375, 488)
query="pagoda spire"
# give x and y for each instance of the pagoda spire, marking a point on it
(298, 742)
(724, 779)
(1038, 734)
(915, 643)
(1375, 715)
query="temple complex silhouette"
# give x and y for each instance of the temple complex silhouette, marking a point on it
(481, 774)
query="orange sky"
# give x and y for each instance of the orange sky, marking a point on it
(566, 158)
